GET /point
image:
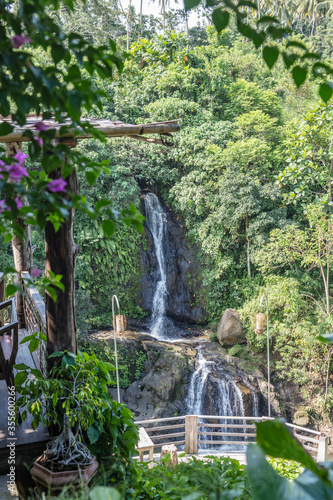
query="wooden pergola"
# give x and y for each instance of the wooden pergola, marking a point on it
(61, 250)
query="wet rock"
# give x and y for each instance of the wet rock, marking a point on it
(230, 330)
(163, 387)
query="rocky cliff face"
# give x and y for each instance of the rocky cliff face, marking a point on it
(183, 273)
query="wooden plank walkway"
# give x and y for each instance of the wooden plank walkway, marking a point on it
(24, 434)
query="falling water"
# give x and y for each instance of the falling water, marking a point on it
(156, 223)
(227, 397)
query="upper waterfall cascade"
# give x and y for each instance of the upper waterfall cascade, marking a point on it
(156, 221)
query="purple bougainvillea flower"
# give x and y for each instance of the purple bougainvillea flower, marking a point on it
(57, 186)
(35, 272)
(19, 204)
(2, 206)
(20, 157)
(39, 140)
(16, 171)
(41, 126)
(19, 40)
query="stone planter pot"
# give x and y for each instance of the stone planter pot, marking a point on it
(53, 481)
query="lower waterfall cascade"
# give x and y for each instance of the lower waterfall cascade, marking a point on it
(227, 397)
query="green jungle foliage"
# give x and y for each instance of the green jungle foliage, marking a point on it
(130, 364)
(249, 175)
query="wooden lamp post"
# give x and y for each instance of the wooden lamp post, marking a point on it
(260, 317)
(119, 326)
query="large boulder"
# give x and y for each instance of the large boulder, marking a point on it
(230, 330)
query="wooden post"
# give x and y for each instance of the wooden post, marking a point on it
(61, 253)
(21, 246)
(191, 434)
(322, 448)
(170, 449)
(2, 287)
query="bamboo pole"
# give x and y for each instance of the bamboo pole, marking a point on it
(109, 131)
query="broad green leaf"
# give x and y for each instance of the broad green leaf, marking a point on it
(93, 434)
(266, 484)
(190, 4)
(289, 59)
(104, 493)
(53, 294)
(91, 176)
(28, 338)
(58, 52)
(20, 378)
(34, 344)
(68, 361)
(247, 3)
(275, 439)
(56, 354)
(268, 19)
(293, 43)
(21, 366)
(314, 486)
(212, 3)
(108, 227)
(327, 338)
(5, 129)
(325, 91)
(10, 290)
(101, 203)
(220, 19)
(270, 55)
(299, 75)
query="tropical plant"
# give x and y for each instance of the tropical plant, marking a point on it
(75, 397)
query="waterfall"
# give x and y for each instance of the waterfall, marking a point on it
(156, 223)
(214, 391)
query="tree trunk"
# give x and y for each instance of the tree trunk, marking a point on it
(61, 253)
(141, 15)
(21, 247)
(127, 32)
(163, 11)
(247, 248)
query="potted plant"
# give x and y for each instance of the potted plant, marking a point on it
(74, 397)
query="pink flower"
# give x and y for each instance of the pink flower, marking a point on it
(41, 126)
(35, 272)
(2, 206)
(19, 204)
(39, 140)
(57, 185)
(20, 157)
(19, 40)
(16, 171)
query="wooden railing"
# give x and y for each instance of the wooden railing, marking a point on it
(35, 317)
(192, 431)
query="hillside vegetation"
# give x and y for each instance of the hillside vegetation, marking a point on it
(250, 175)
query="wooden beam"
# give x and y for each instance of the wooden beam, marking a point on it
(109, 131)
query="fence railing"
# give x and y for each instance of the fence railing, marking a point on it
(211, 432)
(35, 317)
